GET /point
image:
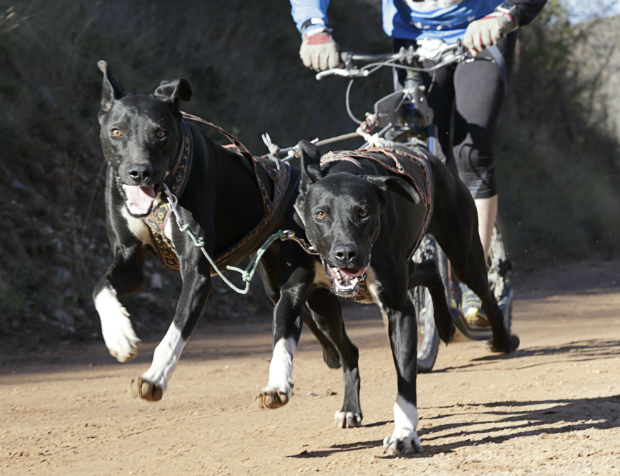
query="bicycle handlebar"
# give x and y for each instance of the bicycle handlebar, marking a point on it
(349, 56)
(442, 54)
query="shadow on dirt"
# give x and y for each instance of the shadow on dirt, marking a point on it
(517, 421)
(362, 445)
(573, 415)
(578, 351)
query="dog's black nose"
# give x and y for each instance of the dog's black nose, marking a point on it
(345, 254)
(140, 172)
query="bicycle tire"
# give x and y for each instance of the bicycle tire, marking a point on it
(428, 337)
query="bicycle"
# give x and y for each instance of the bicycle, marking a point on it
(405, 117)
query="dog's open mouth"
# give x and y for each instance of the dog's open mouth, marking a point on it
(139, 200)
(346, 282)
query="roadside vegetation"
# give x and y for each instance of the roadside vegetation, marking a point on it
(558, 162)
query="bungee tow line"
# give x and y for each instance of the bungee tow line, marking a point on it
(248, 273)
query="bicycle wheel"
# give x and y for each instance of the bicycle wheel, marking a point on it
(428, 337)
(500, 272)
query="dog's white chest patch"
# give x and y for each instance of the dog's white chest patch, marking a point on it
(137, 227)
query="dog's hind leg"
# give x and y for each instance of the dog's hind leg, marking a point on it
(426, 274)
(327, 314)
(195, 293)
(124, 276)
(456, 231)
(467, 261)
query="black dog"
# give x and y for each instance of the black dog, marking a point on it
(232, 202)
(364, 213)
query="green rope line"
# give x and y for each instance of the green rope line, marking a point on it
(246, 274)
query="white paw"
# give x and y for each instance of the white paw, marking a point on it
(272, 396)
(393, 445)
(116, 328)
(404, 440)
(278, 391)
(152, 384)
(348, 419)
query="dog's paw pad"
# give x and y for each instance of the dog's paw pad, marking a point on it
(401, 446)
(146, 390)
(271, 398)
(348, 419)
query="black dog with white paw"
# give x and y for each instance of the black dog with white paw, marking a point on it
(231, 200)
(364, 213)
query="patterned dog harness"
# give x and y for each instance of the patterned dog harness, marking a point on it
(158, 218)
(392, 160)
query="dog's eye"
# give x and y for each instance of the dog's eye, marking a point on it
(160, 134)
(363, 214)
(116, 133)
(320, 214)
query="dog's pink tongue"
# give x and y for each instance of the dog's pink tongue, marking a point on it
(139, 199)
(357, 274)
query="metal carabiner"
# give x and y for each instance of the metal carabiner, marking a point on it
(174, 201)
(290, 235)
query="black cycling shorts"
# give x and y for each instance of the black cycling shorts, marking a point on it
(479, 90)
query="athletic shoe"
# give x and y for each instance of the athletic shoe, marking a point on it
(471, 307)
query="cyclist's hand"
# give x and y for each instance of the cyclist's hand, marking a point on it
(487, 31)
(319, 51)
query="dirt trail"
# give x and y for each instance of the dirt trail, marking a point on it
(553, 408)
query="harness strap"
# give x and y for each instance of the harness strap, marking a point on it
(157, 220)
(243, 151)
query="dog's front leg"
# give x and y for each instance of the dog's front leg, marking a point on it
(195, 293)
(287, 325)
(403, 333)
(124, 276)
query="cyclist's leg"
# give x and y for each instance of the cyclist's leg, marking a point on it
(480, 89)
(440, 94)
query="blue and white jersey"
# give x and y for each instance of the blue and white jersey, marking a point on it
(412, 19)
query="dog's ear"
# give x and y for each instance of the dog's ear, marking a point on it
(396, 185)
(310, 162)
(112, 87)
(174, 90)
